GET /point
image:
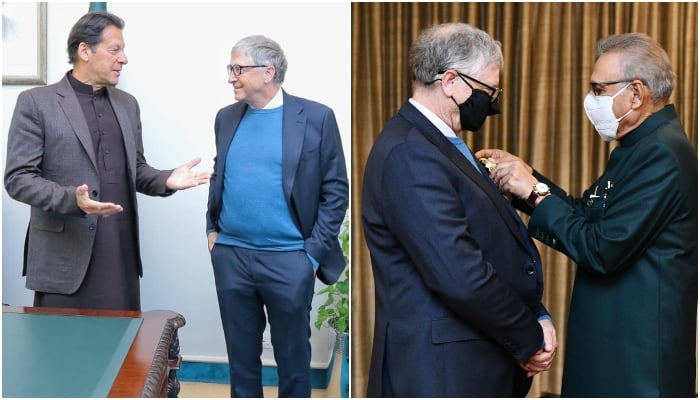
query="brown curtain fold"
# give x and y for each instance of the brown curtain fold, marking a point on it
(549, 51)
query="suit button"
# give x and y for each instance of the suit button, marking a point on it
(94, 193)
(92, 227)
(530, 269)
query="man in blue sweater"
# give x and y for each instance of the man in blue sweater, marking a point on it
(277, 199)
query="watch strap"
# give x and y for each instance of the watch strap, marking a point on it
(532, 198)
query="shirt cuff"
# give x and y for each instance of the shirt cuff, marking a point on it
(542, 318)
(545, 316)
(314, 263)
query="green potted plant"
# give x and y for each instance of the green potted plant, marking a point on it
(334, 313)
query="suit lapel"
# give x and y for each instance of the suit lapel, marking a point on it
(433, 134)
(427, 129)
(293, 131)
(226, 132)
(127, 134)
(68, 102)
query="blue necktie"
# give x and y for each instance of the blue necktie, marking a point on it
(462, 147)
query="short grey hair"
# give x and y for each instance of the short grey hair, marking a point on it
(644, 59)
(263, 51)
(453, 46)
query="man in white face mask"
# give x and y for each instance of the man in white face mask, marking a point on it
(599, 109)
(633, 233)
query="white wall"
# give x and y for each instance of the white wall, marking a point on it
(177, 55)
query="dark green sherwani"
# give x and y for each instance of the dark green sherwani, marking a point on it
(634, 236)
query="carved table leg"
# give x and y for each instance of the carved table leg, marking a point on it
(174, 361)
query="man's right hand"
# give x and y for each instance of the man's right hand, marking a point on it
(211, 240)
(92, 207)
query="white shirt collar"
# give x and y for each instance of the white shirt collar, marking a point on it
(276, 101)
(434, 119)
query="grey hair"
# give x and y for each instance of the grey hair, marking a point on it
(643, 59)
(453, 46)
(263, 51)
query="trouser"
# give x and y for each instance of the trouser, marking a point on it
(248, 283)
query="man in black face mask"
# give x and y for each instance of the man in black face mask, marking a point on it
(480, 104)
(457, 279)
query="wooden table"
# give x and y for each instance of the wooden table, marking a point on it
(151, 363)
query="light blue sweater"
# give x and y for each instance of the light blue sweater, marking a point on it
(255, 214)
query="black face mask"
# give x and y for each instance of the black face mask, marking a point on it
(474, 110)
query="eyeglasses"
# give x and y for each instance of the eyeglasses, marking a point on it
(598, 87)
(238, 69)
(495, 92)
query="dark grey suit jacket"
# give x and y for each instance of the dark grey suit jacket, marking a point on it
(49, 154)
(313, 175)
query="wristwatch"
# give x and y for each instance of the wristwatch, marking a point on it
(538, 190)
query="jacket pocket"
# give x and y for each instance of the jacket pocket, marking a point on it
(49, 224)
(446, 330)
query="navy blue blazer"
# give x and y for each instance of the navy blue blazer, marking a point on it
(458, 282)
(313, 175)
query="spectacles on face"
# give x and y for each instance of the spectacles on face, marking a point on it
(238, 69)
(494, 92)
(598, 88)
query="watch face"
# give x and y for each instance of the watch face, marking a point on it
(541, 188)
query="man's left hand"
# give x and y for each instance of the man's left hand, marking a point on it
(543, 359)
(184, 178)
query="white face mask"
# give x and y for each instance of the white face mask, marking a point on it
(600, 111)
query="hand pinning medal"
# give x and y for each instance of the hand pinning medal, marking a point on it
(490, 166)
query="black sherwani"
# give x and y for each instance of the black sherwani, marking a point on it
(633, 234)
(51, 151)
(112, 278)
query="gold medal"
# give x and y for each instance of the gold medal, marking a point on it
(488, 164)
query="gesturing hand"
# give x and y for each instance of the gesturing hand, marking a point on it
(184, 178)
(92, 207)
